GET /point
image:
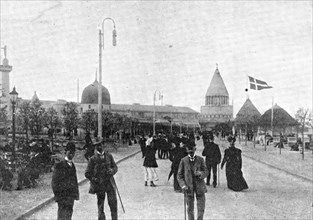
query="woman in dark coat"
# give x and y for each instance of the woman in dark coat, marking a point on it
(150, 163)
(232, 158)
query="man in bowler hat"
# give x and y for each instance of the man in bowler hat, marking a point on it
(100, 170)
(191, 173)
(64, 184)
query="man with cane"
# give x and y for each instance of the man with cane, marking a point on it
(191, 173)
(100, 170)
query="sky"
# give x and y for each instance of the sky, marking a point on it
(168, 47)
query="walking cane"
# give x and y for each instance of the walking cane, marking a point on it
(112, 180)
(218, 174)
(185, 205)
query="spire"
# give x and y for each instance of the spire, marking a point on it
(216, 66)
(217, 86)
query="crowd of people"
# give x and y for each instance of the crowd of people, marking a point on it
(181, 152)
(191, 173)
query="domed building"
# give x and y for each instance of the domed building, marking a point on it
(90, 94)
(216, 109)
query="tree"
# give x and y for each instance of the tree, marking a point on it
(302, 116)
(70, 117)
(37, 113)
(52, 121)
(4, 120)
(23, 117)
(107, 122)
(89, 120)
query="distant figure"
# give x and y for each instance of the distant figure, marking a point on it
(212, 155)
(232, 158)
(142, 143)
(64, 184)
(89, 147)
(297, 145)
(191, 174)
(178, 153)
(150, 163)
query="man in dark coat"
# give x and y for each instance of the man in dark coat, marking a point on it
(212, 155)
(64, 184)
(191, 174)
(100, 170)
(142, 143)
(177, 154)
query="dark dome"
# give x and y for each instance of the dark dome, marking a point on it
(90, 94)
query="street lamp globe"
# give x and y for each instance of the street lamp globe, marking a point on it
(13, 95)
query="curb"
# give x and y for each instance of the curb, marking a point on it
(50, 200)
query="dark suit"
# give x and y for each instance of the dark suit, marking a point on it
(177, 154)
(212, 155)
(101, 182)
(65, 188)
(196, 185)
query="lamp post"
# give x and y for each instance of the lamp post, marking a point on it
(154, 97)
(101, 47)
(13, 96)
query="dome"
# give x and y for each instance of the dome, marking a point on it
(90, 94)
(217, 86)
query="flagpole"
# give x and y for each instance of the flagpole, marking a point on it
(272, 116)
(247, 94)
(78, 90)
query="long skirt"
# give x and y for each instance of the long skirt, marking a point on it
(151, 174)
(235, 180)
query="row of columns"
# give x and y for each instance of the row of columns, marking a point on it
(216, 100)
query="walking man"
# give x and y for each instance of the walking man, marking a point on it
(100, 170)
(212, 155)
(191, 173)
(64, 184)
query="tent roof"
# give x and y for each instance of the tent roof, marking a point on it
(281, 117)
(247, 112)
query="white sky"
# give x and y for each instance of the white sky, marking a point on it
(170, 46)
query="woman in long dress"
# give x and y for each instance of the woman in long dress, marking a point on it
(232, 158)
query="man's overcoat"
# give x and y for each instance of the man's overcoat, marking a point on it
(97, 173)
(64, 182)
(186, 175)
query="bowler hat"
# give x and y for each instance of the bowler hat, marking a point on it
(231, 139)
(70, 147)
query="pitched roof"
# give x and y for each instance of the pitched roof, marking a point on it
(281, 117)
(247, 113)
(217, 86)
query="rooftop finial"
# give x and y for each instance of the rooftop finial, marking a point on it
(216, 66)
(96, 74)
